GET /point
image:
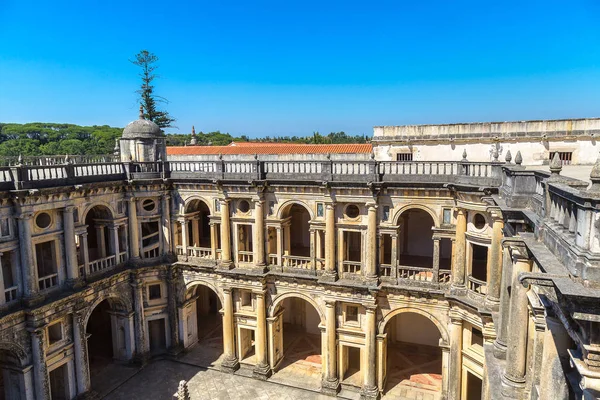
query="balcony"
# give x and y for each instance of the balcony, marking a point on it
(48, 281)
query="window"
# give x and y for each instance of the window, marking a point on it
(246, 298)
(43, 220)
(120, 207)
(479, 221)
(351, 314)
(217, 205)
(149, 205)
(447, 216)
(386, 213)
(271, 207)
(404, 157)
(320, 210)
(154, 292)
(476, 337)
(243, 206)
(565, 157)
(352, 211)
(54, 333)
(4, 227)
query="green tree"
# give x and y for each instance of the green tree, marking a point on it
(147, 62)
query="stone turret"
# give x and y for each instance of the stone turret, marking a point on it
(142, 141)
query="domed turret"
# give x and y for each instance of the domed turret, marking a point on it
(142, 141)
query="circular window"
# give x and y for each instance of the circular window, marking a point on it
(243, 206)
(43, 220)
(352, 211)
(148, 205)
(479, 221)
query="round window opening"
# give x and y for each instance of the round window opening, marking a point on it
(352, 211)
(243, 206)
(43, 220)
(479, 221)
(148, 205)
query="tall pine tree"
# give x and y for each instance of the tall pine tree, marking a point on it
(147, 62)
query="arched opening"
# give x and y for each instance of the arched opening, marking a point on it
(296, 237)
(203, 326)
(104, 240)
(109, 339)
(416, 238)
(299, 343)
(414, 358)
(10, 376)
(197, 216)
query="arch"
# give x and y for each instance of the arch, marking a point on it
(275, 302)
(432, 214)
(95, 204)
(117, 303)
(196, 282)
(189, 201)
(287, 205)
(388, 317)
(14, 351)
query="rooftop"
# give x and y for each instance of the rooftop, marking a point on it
(271, 148)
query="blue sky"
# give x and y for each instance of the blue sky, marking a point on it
(290, 68)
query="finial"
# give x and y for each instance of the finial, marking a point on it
(464, 155)
(193, 140)
(372, 155)
(67, 160)
(595, 176)
(141, 111)
(508, 157)
(116, 150)
(518, 158)
(20, 159)
(329, 156)
(255, 156)
(555, 164)
(193, 131)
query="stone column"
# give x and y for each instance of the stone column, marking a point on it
(225, 234)
(494, 272)
(330, 385)
(82, 368)
(172, 280)
(134, 234)
(29, 271)
(86, 254)
(455, 367)
(195, 232)
(40, 370)
(259, 233)
(436, 259)
(213, 241)
(369, 389)
(552, 379)
(513, 379)
(2, 288)
(114, 241)
(101, 242)
(394, 256)
(230, 362)
(330, 271)
(262, 369)
(141, 344)
(166, 224)
(371, 256)
(507, 271)
(458, 271)
(184, 236)
(279, 246)
(70, 246)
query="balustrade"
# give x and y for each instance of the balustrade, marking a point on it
(10, 294)
(200, 252)
(273, 259)
(48, 281)
(152, 251)
(477, 286)
(297, 262)
(245, 256)
(351, 267)
(385, 270)
(415, 273)
(101, 264)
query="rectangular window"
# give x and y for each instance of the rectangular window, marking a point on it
(154, 292)
(246, 298)
(271, 207)
(386, 213)
(55, 333)
(4, 227)
(120, 207)
(447, 216)
(76, 215)
(44, 256)
(476, 337)
(565, 157)
(320, 210)
(351, 314)
(404, 157)
(217, 206)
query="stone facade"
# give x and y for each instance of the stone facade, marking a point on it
(488, 269)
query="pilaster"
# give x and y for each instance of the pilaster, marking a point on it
(330, 385)
(370, 391)
(262, 370)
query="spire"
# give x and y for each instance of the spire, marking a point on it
(141, 111)
(193, 141)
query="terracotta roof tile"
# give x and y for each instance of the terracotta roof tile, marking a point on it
(271, 148)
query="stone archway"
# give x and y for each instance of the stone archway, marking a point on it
(14, 378)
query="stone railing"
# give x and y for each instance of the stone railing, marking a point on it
(297, 262)
(476, 285)
(199, 252)
(48, 281)
(245, 256)
(10, 293)
(415, 273)
(101, 264)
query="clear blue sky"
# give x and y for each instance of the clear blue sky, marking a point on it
(286, 67)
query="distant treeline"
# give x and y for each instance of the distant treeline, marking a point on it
(39, 138)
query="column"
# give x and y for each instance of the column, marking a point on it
(225, 234)
(166, 224)
(331, 384)
(114, 241)
(516, 350)
(369, 389)
(455, 367)
(507, 268)
(371, 256)
(28, 270)
(279, 246)
(458, 271)
(230, 362)
(195, 232)
(394, 256)
(213, 241)
(259, 233)
(494, 272)
(70, 246)
(330, 240)
(436, 259)
(262, 369)
(134, 234)
(101, 242)
(141, 344)
(40, 370)
(2, 295)
(82, 369)
(172, 280)
(86, 254)
(552, 380)
(184, 236)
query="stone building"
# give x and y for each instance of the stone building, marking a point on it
(437, 280)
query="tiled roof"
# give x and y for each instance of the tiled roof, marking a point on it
(271, 148)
